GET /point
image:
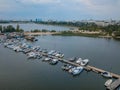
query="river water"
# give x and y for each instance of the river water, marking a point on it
(19, 73)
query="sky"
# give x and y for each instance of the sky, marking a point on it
(60, 9)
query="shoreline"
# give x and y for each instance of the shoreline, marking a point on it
(67, 33)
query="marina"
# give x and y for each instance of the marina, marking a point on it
(53, 56)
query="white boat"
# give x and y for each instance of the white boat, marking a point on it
(72, 59)
(79, 60)
(47, 59)
(60, 55)
(108, 82)
(84, 62)
(54, 61)
(67, 67)
(106, 74)
(77, 70)
(31, 55)
(51, 52)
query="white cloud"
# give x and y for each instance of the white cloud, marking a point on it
(38, 1)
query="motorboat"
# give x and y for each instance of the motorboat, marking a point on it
(84, 62)
(51, 52)
(53, 61)
(76, 70)
(47, 59)
(60, 55)
(106, 74)
(108, 82)
(31, 55)
(79, 61)
(73, 59)
(67, 67)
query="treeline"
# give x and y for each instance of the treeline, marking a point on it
(110, 29)
(86, 26)
(76, 24)
(10, 28)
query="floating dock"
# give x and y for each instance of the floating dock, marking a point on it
(114, 85)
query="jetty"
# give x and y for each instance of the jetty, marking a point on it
(112, 86)
(87, 67)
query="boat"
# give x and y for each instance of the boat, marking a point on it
(53, 61)
(67, 67)
(106, 74)
(59, 55)
(47, 59)
(108, 82)
(76, 70)
(79, 60)
(31, 55)
(51, 52)
(84, 62)
(73, 59)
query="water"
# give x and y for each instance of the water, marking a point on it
(19, 73)
(33, 26)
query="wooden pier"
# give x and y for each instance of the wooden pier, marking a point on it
(88, 67)
(113, 86)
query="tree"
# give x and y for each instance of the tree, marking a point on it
(17, 28)
(0, 28)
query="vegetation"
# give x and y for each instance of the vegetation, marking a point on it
(110, 30)
(36, 30)
(10, 28)
(52, 31)
(70, 33)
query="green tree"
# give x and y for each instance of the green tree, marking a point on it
(0, 28)
(17, 28)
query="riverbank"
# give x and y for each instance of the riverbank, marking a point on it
(73, 33)
(40, 33)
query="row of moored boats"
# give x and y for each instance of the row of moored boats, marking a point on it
(52, 56)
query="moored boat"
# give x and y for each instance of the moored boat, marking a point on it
(84, 62)
(53, 61)
(106, 74)
(76, 70)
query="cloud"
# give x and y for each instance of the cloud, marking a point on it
(60, 8)
(38, 1)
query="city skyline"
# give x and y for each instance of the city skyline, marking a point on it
(60, 9)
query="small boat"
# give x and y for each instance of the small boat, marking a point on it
(79, 60)
(31, 55)
(76, 70)
(108, 82)
(73, 59)
(67, 67)
(51, 52)
(59, 55)
(84, 62)
(53, 61)
(106, 74)
(47, 59)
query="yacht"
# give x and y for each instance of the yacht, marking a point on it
(84, 62)
(106, 74)
(53, 61)
(76, 70)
